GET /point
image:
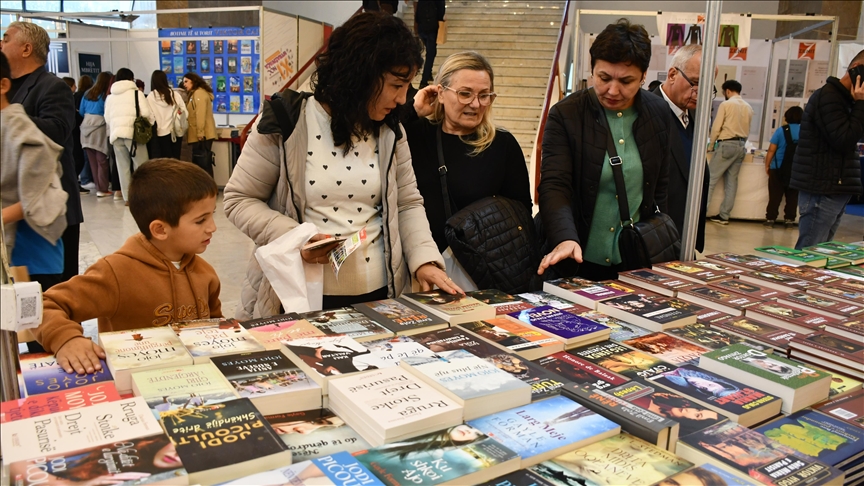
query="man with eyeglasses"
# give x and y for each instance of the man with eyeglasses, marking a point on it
(730, 130)
(680, 91)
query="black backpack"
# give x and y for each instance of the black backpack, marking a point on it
(786, 164)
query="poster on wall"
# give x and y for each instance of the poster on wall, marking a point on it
(795, 82)
(211, 59)
(280, 53)
(680, 29)
(817, 73)
(89, 64)
(753, 82)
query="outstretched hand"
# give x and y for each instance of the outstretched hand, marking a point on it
(80, 355)
(565, 249)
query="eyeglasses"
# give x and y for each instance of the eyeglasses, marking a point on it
(695, 86)
(467, 97)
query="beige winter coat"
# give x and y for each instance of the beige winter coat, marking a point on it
(201, 120)
(266, 194)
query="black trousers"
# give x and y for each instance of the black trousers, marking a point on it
(201, 155)
(776, 191)
(163, 147)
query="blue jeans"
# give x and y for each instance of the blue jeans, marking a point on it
(430, 41)
(86, 174)
(726, 163)
(820, 217)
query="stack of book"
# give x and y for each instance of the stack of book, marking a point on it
(40, 373)
(793, 256)
(169, 391)
(272, 331)
(831, 352)
(583, 292)
(346, 321)
(700, 272)
(310, 434)
(208, 338)
(400, 317)
(454, 309)
(652, 313)
(140, 350)
(571, 329)
(503, 303)
(514, 336)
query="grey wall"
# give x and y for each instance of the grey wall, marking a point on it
(761, 29)
(334, 12)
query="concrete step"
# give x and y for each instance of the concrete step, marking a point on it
(518, 111)
(510, 21)
(502, 30)
(514, 123)
(502, 71)
(505, 89)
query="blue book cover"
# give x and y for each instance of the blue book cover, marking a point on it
(42, 374)
(559, 323)
(818, 435)
(336, 469)
(557, 424)
(466, 375)
(179, 67)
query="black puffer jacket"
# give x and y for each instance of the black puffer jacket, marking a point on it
(825, 161)
(574, 147)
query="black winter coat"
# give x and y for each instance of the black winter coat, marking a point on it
(826, 161)
(574, 147)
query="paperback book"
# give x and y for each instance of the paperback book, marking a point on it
(474, 383)
(622, 459)
(657, 282)
(310, 434)
(715, 298)
(540, 298)
(570, 329)
(655, 314)
(619, 330)
(753, 456)
(581, 291)
(270, 380)
(226, 441)
(772, 336)
(581, 372)
(788, 317)
(700, 272)
(849, 408)
(820, 436)
(547, 429)
(853, 329)
(391, 405)
(751, 290)
(841, 385)
(59, 401)
(272, 331)
(400, 317)
(838, 293)
(520, 478)
(543, 383)
(208, 338)
(793, 256)
(514, 336)
(140, 460)
(856, 272)
(169, 390)
(458, 454)
(709, 475)
(668, 348)
(689, 414)
(809, 274)
(741, 262)
(454, 309)
(797, 385)
(40, 373)
(634, 420)
(730, 398)
(821, 305)
(620, 359)
(711, 338)
(839, 245)
(139, 350)
(783, 283)
(73, 430)
(338, 469)
(708, 316)
(502, 302)
(831, 349)
(346, 321)
(822, 252)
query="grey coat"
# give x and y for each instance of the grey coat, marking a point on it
(265, 198)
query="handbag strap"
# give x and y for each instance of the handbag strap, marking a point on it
(615, 161)
(134, 150)
(442, 172)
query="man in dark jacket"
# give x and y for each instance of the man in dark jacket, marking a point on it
(48, 101)
(680, 91)
(427, 14)
(826, 169)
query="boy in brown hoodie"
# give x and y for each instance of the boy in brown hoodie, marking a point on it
(156, 277)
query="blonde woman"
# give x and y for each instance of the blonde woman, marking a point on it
(482, 160)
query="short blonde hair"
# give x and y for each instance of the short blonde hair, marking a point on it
(34, 35)
(467, 60)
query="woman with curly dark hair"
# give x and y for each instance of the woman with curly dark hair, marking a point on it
(339, 160)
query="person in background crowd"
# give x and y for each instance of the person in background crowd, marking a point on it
(482, 160)
(654, 84)
(85, 176)
(778, 166)
(577, 191)
(120, 114)
(202, 125)
(826, 169)
(427, 14)
(94, 132)
(165, 104)
(69, 82)
(48, 102)
(680, 91)
(349, 122)
(77, 152)
(730, 130)
(140, 85)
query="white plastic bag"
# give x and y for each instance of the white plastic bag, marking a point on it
(456, 272)
(299, 285)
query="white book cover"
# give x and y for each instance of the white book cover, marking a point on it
(466, 375)
(226, 337)
(154, 347)
(73, 430)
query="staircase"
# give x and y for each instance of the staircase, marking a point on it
(518, 39)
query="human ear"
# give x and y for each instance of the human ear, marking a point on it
(159, 229)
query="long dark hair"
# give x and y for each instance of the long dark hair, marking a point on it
(427, 443)
(124, 74)
(101, 88)
(350, 72)
(197, 82)
(84, 83)
(159, 84)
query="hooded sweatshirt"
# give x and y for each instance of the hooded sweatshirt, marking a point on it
(120, 109)
(136, 287)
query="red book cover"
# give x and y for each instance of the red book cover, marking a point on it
(809, 274)
(710, 316)
(797, 320)
(837, 292)
(773, 336)
(649, 279)
(822, 305)
(741, 262)
(706, 272)
(59, 401)
(853, 329)
(580, 371)
(831, 344)
(716, 298)
(752, 290)
(848, 407)
(851, 284)
(777, 281)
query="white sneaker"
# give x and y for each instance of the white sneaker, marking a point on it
(91, 186)
(103, 194)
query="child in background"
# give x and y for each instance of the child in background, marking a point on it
(155, 279)
(33, 202)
